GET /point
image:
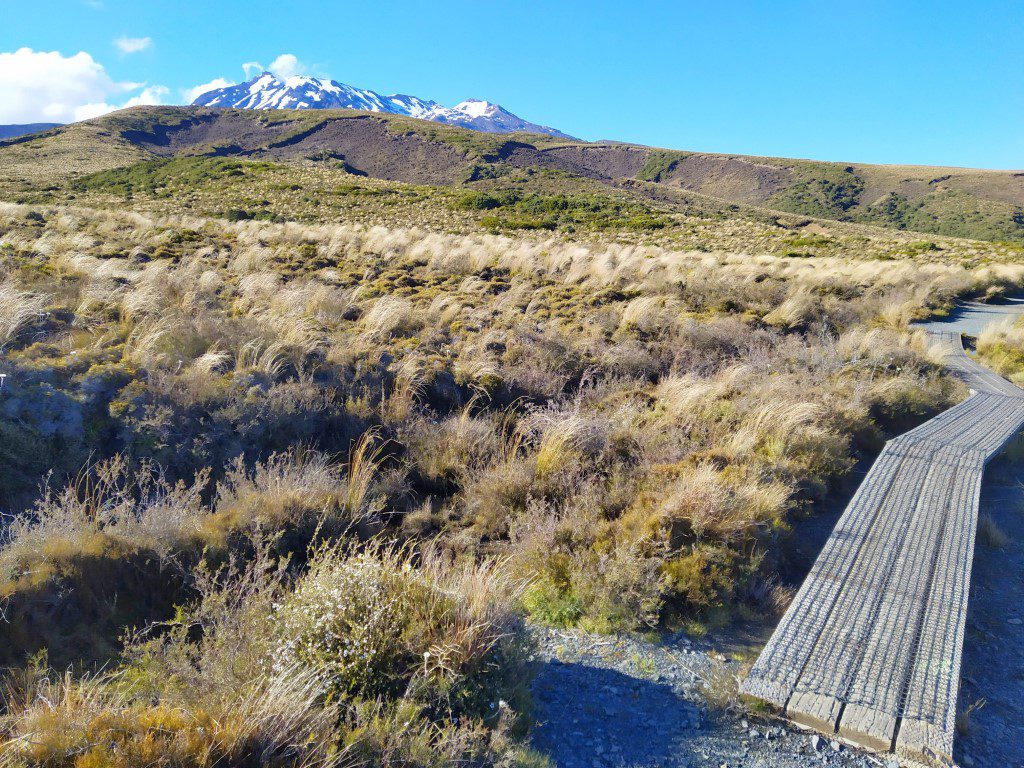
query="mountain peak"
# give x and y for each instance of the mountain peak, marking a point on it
(269, 91)
(477, 107)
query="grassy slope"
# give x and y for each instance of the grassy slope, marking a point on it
(518, 201)
(965, 203)
(955, 202)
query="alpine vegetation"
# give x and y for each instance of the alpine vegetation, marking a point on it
(298, 460)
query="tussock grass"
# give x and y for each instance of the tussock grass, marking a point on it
(1001, 347)
(595, 432)
(694, 398)
(114, 548)
(97, 721)
(17, 309)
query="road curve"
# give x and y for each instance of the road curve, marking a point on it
(870, 647)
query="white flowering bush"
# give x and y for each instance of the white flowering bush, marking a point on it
(415, 660)
(347, 619)
(381, 623)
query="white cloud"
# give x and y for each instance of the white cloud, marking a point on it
(133, 44)
(85, 112)
(188, 95)
(46, 86)
(149, 96)
(287, 65)
(153, 94)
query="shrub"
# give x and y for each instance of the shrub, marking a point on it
(371, 655)
(374, 624)
(553, 604)
(625, 588)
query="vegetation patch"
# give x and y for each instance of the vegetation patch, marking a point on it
(824, 190)
(951, 212)
(303, 481)
(660, 163)
(1001, 347)
(513, 209)
(163, 177)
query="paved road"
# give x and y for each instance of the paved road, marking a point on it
(870, 648)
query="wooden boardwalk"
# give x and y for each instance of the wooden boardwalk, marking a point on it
(870, 647)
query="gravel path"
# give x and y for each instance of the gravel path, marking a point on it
(993, 667)
(612, 702)
(616, 702)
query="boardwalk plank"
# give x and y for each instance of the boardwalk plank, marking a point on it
(871, 645)
(929, 706)
(874, 698)
(834, 658)
(783, 659)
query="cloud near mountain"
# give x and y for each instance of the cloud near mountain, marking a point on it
(133, 44)
(47, 86)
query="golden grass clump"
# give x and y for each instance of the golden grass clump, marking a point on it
(96, 721)
(1001, 347)
(313, 673)
(17, 309)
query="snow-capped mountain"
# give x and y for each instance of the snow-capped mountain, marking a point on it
(267, 91)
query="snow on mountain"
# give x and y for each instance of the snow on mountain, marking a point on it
(267, 91)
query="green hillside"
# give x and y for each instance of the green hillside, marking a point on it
(987, 205)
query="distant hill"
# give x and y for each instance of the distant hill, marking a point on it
(13, 131)
(958, 202)
(267, 91)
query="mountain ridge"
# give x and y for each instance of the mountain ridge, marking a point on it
(979, 204)
(15, 130)
(268, 91)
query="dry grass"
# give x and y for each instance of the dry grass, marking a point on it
(63, 721)
(692, 399)
(106, 503)
(407, 667)
(599, 431)
(963, 716)
(17, 310)
(1001, 347)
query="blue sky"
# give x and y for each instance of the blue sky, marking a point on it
(890, 82)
